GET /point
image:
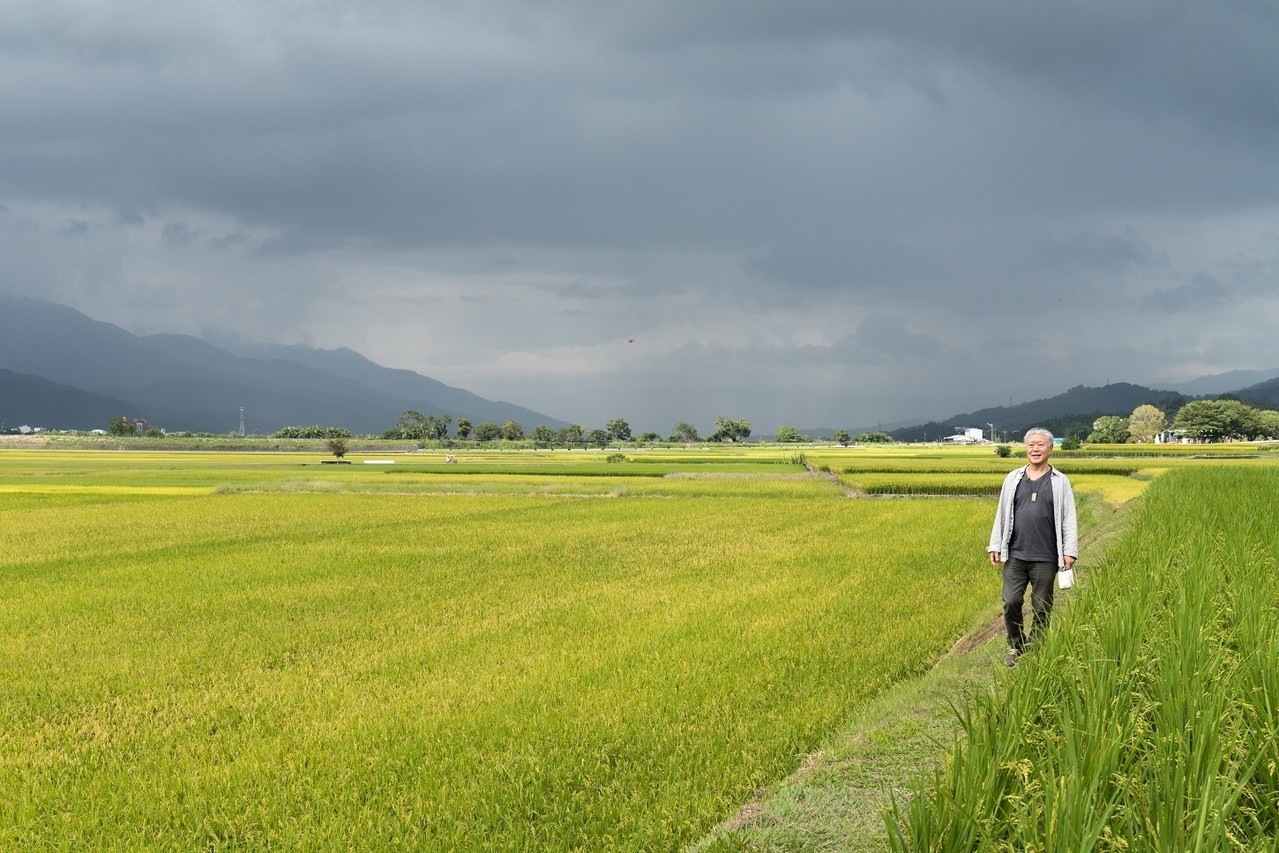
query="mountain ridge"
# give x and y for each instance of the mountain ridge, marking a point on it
(1081, 403)
(181, 382)
(62, 369)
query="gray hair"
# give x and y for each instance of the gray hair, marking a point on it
(1039, 431)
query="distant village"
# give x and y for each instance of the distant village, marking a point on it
(977, 435)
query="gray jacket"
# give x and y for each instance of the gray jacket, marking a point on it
(1063, 516)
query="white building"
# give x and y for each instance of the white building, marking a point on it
(970, 435)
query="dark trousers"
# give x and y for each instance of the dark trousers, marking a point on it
(1018, 574)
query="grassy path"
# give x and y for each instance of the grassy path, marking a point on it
(835, 800)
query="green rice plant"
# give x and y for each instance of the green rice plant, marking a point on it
(262, 663)
(1225, 450)
(930, 483)
(991, 466)
(1146, 718)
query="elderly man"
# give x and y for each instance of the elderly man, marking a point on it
(1034, 535)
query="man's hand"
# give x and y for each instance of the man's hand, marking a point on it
(995, 561)
(1069, 561)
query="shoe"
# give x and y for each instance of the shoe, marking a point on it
(1010, 659)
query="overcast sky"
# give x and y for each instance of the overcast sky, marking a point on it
(818, 214)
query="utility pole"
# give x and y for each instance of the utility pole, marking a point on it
(242, 422)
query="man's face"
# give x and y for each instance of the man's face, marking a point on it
(1038, 449)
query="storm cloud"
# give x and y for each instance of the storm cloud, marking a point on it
(806, 213)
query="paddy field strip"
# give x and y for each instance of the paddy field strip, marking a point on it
(219, 650)
(1149, 717)
(544, 650)
(1003, 788)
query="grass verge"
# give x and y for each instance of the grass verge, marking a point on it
(836, 800)
(1149, 718)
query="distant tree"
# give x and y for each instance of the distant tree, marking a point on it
(542, 435)
(1145, 423)
(619, 429)
(1268, 424)
(1003, 451)
(119, 425)
(511, 431)
(731, 429)
(685, 432)
(649, 437)
(487, 431)
(411, 425)
(317, 431)
(1251, 422)
(437, 427)
(602, 437)
(874, 437)
(723, 429)
(337, 446)
(841, 436)
(789, 435)
(571, 434)
(1214, 420)
(464, 428)
(1109, 429)
(1070, 442)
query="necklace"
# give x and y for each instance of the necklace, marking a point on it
(1039, 485)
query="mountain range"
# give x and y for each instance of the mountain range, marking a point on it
(1073, 411)
(61, 369)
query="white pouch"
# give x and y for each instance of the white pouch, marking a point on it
(1065, 578)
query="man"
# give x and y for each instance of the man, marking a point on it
(1034, 535)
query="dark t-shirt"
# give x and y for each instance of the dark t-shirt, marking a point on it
(1034, 530)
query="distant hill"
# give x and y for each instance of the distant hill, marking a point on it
(37, 402)
(397, 383)
(1263, 392)
(1081, 402)
(1222, 383)
(183, 383)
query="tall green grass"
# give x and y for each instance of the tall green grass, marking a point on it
(313, 671)
(1149, 717)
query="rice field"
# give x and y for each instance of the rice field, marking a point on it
(1149, 718)
(520, 650)
(260, 651)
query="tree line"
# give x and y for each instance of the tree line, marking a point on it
(1223, 419)
(415, 426)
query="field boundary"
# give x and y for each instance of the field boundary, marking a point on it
(834, 800)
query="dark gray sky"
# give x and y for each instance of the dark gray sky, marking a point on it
(804, 213)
